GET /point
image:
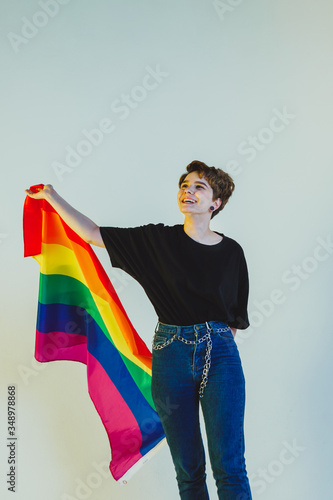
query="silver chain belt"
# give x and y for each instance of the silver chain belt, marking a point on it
(207, 338)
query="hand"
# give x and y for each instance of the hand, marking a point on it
(233, 330)
(41, 193)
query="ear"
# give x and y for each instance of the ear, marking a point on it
(217, 203)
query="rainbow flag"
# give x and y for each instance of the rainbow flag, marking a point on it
(81, 318)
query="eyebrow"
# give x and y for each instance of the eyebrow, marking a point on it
(195, 182)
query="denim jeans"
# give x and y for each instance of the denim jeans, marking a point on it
(180, 356)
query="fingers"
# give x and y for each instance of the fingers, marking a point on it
(39, 192)
(36, 193)
(30, 193)
(33, 194)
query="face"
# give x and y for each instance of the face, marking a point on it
(195, 195)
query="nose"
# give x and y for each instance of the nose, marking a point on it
(188, 190)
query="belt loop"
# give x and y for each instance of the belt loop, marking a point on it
(209, 328)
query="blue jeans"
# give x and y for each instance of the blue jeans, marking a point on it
(180, 356)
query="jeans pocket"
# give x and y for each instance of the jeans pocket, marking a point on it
(161, 340)
(225, 334)
(227, 341)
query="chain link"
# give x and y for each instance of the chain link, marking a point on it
(206, 337)
(205, 371)
(167, 342)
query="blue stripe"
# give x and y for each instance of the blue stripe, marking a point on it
(75, 320)
(62, 318)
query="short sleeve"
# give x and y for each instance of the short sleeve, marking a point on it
(129, 249)
(242, 319)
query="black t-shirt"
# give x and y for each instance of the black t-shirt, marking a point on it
(187, 282)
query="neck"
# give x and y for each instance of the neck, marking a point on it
(198, 229)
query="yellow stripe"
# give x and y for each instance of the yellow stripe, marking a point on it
(57, 259)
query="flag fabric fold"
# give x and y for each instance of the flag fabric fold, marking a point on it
(81, 318)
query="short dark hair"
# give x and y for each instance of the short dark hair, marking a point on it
(220, 182)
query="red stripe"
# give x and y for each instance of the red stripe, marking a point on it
(32, 224)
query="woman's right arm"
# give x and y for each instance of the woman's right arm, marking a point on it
(82, 225)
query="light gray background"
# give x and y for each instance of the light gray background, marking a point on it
(228, 70)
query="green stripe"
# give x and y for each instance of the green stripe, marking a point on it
(62, 289)
(140, 377)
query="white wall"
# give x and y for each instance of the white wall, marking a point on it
(227, 72)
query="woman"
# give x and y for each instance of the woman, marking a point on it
(197, 281)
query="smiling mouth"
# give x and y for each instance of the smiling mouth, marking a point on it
(188, 201)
